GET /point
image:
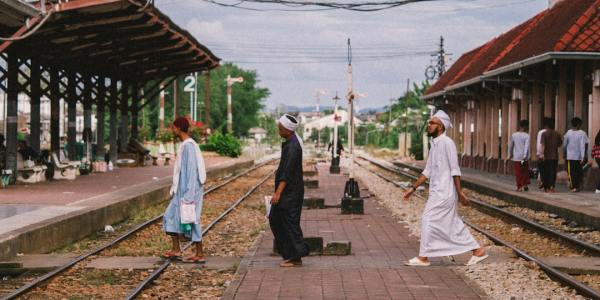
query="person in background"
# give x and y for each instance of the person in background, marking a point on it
(575, 145)
(551, 141)
(539, 154)
(2, 153)
(189, 176)
(596, 156)
(27, 153)
(518, 151)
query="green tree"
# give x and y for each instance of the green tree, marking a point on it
(247, 98)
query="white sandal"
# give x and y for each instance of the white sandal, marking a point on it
(476, 259)
(416, 262)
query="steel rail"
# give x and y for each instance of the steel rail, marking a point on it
(592, 249)
(563, 277)
(24, 289)
(168, 262)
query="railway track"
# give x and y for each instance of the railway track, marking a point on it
(568, 244)
(38, 283)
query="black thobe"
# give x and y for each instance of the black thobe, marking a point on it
(285, 215)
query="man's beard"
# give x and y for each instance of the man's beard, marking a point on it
(432, 134)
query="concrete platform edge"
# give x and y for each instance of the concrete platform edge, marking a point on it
(57, 232)
(240, 273)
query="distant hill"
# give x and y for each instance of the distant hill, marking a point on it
(292, 108)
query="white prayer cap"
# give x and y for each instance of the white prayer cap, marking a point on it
(442, 116)
(288, 122)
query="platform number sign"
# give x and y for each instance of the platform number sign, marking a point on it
(190, 84)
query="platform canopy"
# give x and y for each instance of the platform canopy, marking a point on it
(111, 38)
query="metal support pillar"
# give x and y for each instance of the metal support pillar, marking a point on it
(535, 120)
(87, 115)
(72, 115)
(578, 96)
(495, 120)
(123, 130)
(36, 94)
(11, 113)
(135, 98)
(504, 136)
(112, 138)
(548, 91)
(561, 101)
(55, 97)
(100, 101)
(207, 99)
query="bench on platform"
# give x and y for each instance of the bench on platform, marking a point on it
(63, 170)
(28, 172)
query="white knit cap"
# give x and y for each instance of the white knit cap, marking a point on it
(442, 116)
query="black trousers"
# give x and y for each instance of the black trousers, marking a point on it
(285, 225)
(549, 173)
(598, 183)
(575, 171)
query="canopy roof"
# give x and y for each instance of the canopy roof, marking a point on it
(113, 38)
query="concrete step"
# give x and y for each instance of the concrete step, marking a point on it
(575, 265)
(151, 262)
(44, 262)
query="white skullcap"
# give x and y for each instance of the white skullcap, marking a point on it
(288, 122)
(440, 114)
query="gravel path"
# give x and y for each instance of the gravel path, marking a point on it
(499, 280)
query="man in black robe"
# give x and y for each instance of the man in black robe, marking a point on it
(286, 208)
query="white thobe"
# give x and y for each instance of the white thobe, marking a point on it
(443, 233)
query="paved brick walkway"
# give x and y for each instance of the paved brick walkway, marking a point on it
(61, 192)
(375, 269)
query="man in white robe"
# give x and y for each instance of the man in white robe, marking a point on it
(443, 233)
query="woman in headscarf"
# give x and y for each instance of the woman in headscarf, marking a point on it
(189, 175)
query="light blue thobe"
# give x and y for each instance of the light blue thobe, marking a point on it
(188, 189)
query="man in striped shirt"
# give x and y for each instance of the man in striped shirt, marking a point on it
(575, 145)
(518, 151)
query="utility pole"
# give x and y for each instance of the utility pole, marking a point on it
(207, 99)
(405, 116)
(352, 203)
(175, 93)
(230, 81)
(390, 117)
(335, 160)
(441, 64)
(161, 113)
(318, 94)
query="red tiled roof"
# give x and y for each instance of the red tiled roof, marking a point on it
(571, 25)
(584, 35)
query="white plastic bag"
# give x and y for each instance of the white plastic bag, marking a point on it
(188, 212)
(268, 205)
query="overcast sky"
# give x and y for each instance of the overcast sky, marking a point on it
(297, 53)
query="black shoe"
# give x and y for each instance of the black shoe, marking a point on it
(526, 189)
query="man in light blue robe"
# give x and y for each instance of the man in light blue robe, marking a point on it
(189, 176)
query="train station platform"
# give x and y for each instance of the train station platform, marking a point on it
(581, 207)
(374, 270)
(41, 217)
